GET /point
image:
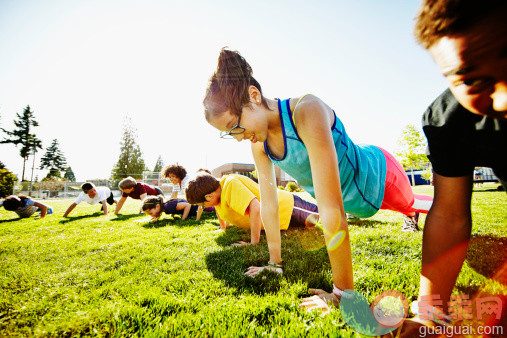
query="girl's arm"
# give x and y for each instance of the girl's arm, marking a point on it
(119, 205)
(313, 121)
(268, 205)
(43, 208)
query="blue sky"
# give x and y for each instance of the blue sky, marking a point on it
(83, 65)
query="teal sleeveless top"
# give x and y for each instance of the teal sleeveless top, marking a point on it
(362, 167)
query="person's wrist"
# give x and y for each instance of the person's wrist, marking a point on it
(337, 292)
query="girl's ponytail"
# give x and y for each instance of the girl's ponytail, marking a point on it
(228, 86)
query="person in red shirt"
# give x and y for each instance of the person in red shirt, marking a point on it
(137, 190)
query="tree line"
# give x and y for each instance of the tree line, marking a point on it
(130, 161)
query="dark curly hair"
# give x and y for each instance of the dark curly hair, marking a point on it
(174, 169)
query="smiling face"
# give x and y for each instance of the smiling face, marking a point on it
(252, 119)
(174, 179)
(475, 64)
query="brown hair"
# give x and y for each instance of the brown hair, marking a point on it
(439, 18)
(87, 186)
(151, 202)
(127, 183)
(199, 187)
(175, 169)
(202, 170)
(228, 86)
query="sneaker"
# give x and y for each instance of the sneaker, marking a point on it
(50, 211)
(410, 223)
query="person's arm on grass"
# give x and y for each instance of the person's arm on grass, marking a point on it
(269, 208)
(200, 209)
(254, 211)
(445, 241)
(142, 197)
(43, 208)
(313, 120)
(104, 206)
(223, 224)
(69, 209)
(119, 205)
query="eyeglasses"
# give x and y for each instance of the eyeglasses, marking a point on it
(236, 130)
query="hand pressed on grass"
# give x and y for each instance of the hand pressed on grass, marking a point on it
(320, 301)
(241, 243)
(255, 270)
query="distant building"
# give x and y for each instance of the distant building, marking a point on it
(282, 178)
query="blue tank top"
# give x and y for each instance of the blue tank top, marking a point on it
(362, 167)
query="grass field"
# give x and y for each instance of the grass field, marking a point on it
(98, 275)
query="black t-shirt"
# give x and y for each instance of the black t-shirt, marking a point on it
(459, 140)
(170, 208)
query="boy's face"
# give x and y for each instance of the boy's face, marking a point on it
(475, 64)
(91, 193)
(212, 199)
(127, 191)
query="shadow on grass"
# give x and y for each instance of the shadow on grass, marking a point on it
(487, 255)
(121, 217)
(77, 218)
(10, 220)
(366, 223)
(305, 259)
(158, 224)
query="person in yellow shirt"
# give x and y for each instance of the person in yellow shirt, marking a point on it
(236, 199)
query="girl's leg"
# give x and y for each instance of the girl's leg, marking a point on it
(304, 214)
(398, 195)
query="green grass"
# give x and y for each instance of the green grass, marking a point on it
(115, 276)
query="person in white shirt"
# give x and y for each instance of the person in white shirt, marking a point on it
(92, 195)
(178, 177)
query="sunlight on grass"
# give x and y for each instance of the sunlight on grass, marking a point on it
(91, 274)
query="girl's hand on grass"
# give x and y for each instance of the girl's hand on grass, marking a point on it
(255, 270)
(240, 243)
(322, 300)
(315, 303)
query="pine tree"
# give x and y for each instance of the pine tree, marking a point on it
(7, 180)
(130, 162)
(159, 165)
(54, 160)
(413, 145)
(69, 174)
(22, 135)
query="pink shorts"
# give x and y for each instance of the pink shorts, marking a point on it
(398, 195)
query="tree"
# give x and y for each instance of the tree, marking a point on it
(22, 135)
(54, 160)
(69, 174)
(130, 162)
(7, 180)
(413, 145)
(159, 165)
